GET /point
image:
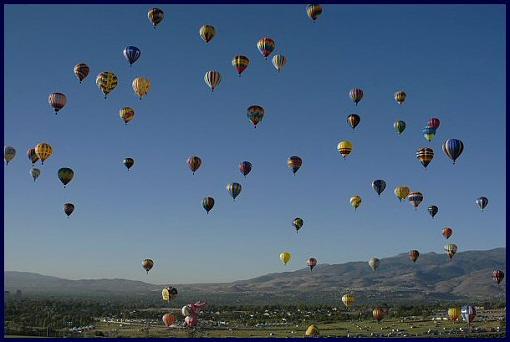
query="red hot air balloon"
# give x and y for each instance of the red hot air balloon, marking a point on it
(434, 123)
(498, 276)
(194, 163)
(447, 232)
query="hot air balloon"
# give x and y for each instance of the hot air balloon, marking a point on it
(378, 314)
(9, 154)
(65, 175)
(379, 185)
(453, 148)
(191, 321)
(266, 46)
(348, 300)
(450, 249)
(429, 133)
(32, 156)
(413, 255)
(106, 81)
(498, 276)
(355, 201)
(353, 120)
(399, 126)
(57, 101)
(425, 156)
(454, 314)
(311, 262)
(482, 202)
(313, 11)
(415, 198)
(141, 86)
(255, 114)
(298, 223)
(127, 114)
(374, 263)
(294, 163)
(128, 162)
(285, 257)
(147, 264)
(68, 209)
(447, 232)
(156, 16)
(186, 310)
(35, 173)
(401, 192)
(434, 123)
(433, 210)
(312, 331)
(81, 71)
(344, 147)
(207, 33)
(279, 61)
(468, 313)
(245, 168)
(234, 189)
(240, 63)
(400, 96)
(168, 293)
(132, 53)
(194, 163)
(212, 79)
(43, 151)
(356, 95)
(208, 203)
(168, 319)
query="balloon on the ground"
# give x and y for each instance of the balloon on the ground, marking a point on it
(498, 276)
(169, 293)
(348, 300)
(378, 314)
(168, 319)
(468, 313)
(454, 313)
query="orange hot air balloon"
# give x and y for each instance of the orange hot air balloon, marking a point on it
(447, 232)
(378, 314)
(168, 320)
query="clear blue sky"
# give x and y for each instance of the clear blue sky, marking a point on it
(449, 59)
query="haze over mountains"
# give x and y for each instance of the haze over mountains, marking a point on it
(432, 277)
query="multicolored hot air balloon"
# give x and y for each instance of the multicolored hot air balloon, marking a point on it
(128, 162)
(194, 163)
(147, 264)
(81, 71)
(141, 86)
(415, 198)
(348, 300)
(106, 81)
(374, 263)
(285, 257)
(413, 255)
(35, 173)
(9, 154)
(468, 313)
(266, 46)
(434, 123)
(379, 185)
(240, 63)
(312, 331)
(482, 202)
(294, 163)
(429, 133)
(156, 16)
(425, 156)
(207, 33)
(132, 53)
(378, 314)
(399, 126)
(400, 96)
(313, 11)
(208, 203)
(355, 201)
(433, 210)
(450, 249)
(454, 314)
(234, 189)
(255, 113)
(447, 232)
(279, 61)
(43, 151)
(65, 175)
(57, 101)
(498, 276)
(168, 319)
(311, 262)
(356, 95)
(127, 114)
(32, 156)
(168, 293)
(345, 148)
(401, 192)
(68, 209)
(298, 223)
(353, 120)
(453, 149)
(245, 168)
(212, 79)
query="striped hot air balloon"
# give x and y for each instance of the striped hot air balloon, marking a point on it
(454, 313)
(43, 151)
(234, 189)
(279, 61)
(345, 148)
(131, 53)
(482, 202)
(194, 163)
(468, 313)
(266, 46)
(378, 314)
(57, 101)
(141, 86)
(32, 156)
(425, 156)
(240, 63)
(348, 300)
(434, 123)
(127, 114)
(450, 249)
(356, 95)
(453, 148)
(207, 33)
(208, 203)
(212, 79)
(81, 71)
(313, 11)
(399, 126)
(415, 198)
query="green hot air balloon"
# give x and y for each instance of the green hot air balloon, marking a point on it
(399, 126)
(65, 175)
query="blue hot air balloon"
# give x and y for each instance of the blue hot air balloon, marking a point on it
(132, 53)
(379, 185)
(453, 148)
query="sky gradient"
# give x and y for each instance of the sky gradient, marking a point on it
(449, 59)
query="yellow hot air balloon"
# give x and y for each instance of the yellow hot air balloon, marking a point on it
(106, 81)
(285, 257)
(355, 201)
(345, 148)
(312, 331)
(400, 96)
(207, 33)
(348, 300)
(454, 314)
(43, 151)
(141, 86)
(401, 192)
(127, 114)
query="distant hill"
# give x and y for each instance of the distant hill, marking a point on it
(432, 277)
